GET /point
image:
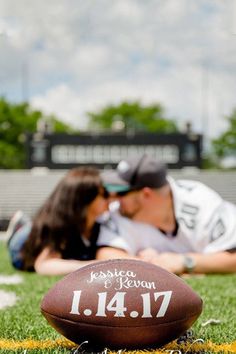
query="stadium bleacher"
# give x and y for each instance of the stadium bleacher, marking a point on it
(27, 189)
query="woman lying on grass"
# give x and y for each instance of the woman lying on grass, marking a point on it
(65, 230)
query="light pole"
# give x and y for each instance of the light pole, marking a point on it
(25, 80)
(205, 104)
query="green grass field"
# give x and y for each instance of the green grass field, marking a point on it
(23, 327)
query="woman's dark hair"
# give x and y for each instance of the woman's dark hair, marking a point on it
(61, 220)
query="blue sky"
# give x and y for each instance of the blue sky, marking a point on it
(69, 57)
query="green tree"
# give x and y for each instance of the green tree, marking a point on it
(15, 121)
(132, 116)
(225, 144)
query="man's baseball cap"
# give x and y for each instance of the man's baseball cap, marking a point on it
(135, 174)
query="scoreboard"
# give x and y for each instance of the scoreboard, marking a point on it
(64, 151)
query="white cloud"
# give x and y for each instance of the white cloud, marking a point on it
(84, 55)
(63, 102)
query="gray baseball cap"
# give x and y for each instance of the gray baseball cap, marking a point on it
(134, 174)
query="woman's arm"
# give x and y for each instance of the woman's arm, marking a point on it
(51, 263)
(112, 253)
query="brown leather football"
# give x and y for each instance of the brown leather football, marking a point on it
(121, 303)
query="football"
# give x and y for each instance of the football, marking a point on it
(121, 304)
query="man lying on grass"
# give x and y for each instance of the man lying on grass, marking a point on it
(191, 228)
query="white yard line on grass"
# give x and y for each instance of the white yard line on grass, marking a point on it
(7, 299)
(10, 279)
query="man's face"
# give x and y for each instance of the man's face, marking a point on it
(130, 203)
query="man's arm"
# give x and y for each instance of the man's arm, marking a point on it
(219, 262)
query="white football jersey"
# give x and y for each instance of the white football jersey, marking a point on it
(206, 224)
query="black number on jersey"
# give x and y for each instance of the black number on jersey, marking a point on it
(218, 230)
(185, 185)
(111, 225)
(188, 215)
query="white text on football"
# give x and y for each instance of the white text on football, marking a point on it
(117, 304)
